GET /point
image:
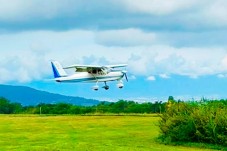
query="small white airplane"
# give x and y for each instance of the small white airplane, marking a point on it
(90, 73)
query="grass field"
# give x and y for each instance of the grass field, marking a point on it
(108, 133)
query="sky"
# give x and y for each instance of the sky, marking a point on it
(172, 47)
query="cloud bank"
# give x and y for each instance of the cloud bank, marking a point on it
(29, 56)
(190, 15)
(155, 37)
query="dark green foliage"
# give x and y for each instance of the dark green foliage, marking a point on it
(121, 106)
(104, 107)
(204, 121)
(6, 107)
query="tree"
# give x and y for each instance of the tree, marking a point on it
(8, 108)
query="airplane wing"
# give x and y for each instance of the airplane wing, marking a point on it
(82, 66)
(76, 66)
(116, 66)
(94, 69)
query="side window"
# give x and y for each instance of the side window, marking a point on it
(94, 71)
(100, 71)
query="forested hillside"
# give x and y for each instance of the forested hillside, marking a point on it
(29, 96)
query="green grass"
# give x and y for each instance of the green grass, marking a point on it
(107, 133)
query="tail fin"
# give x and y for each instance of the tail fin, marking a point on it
(57, 69)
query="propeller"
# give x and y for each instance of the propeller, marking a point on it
(125, 75)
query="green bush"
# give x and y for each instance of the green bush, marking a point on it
(204, 121)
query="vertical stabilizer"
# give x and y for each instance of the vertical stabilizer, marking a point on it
(58, 69)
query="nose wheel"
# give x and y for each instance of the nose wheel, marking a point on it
(106, 87)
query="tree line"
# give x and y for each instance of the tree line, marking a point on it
(121, 106)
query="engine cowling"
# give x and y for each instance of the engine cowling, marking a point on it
(120, 85)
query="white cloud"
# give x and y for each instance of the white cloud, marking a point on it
(215, 12)
(151, 14)
(191, 62)
(25, 56)
(224, 62)
(190, 14)
(164, 76)
(132, 77)
(22, 10)
(222, 75)
(151, 78)
(192, 39)
(159, 7)
(23, 66)
(124, 37)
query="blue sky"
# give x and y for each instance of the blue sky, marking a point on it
(172, 47)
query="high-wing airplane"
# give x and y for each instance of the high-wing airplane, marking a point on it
(90, 73)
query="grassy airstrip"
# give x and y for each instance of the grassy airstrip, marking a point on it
(108, 133)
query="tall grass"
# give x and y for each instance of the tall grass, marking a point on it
(204, 121)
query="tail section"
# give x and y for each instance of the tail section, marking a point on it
(58, 69)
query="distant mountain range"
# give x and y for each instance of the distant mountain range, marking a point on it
(29, 96)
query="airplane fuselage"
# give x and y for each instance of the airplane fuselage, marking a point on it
(90, 73)
(88, 77)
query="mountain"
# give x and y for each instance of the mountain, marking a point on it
(29, 96)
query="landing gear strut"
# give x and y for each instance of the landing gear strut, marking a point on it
(96, 87)
(106, 87)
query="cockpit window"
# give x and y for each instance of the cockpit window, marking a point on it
(96, 71)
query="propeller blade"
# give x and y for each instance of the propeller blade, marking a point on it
(124, 73)
(126, 77)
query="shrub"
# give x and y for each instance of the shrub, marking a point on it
(195, 122)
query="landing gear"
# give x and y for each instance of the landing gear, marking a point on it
(120, 84)
(96, 87)
(106, 87)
